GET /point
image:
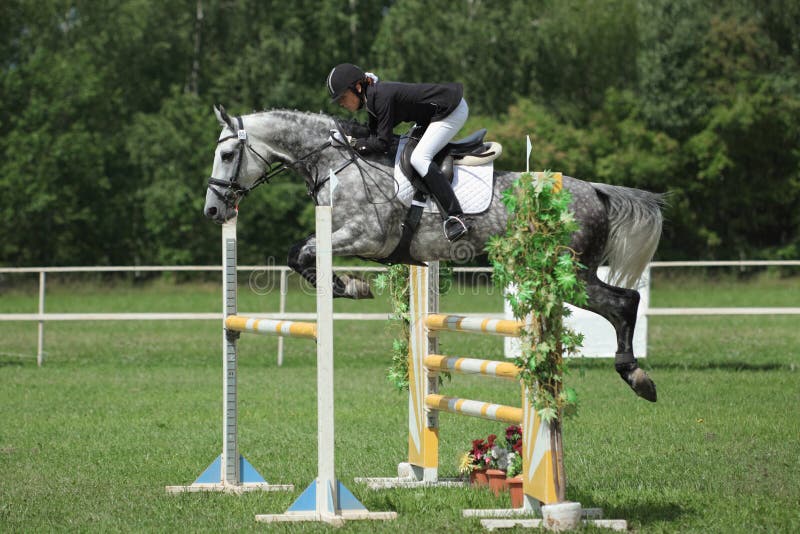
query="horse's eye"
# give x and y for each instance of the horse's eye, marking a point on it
(227, 157)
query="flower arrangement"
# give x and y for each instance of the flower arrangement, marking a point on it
(479, 457)
(492, 462)
(493, 454)
(514, 438)
(514, 450)
(498, 457)
(514, 464)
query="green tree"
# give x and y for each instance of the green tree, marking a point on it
(745, 160)
(585, 48)
(107, 136)
(491, 49)
(671, 32)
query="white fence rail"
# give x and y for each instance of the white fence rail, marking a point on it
(41, 316)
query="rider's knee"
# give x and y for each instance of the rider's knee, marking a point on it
(420, 162)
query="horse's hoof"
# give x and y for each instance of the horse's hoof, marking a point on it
(636, 378)
(356, 288)
(642, 385)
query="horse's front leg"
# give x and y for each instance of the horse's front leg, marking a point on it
(303, 260)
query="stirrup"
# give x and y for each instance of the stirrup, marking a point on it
(457, 228)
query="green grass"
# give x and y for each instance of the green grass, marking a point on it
(122, 409)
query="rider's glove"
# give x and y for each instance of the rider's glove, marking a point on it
(339, 140)
(362, 145)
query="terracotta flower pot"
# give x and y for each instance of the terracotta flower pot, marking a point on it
(477, 477)
(515, 489)
(497, 481)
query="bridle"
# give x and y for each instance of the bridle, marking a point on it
(233, 190)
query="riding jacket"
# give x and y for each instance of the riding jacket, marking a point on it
(390, 103)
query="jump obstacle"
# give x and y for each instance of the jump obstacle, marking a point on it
(326, 499)
(544, 480)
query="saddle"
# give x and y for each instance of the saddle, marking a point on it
(470, 150)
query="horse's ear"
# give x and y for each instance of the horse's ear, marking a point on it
(222, 116)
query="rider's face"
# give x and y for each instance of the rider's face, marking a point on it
(349, 100)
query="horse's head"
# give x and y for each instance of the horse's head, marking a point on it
(238, 168)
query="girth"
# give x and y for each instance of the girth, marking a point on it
(402, 252)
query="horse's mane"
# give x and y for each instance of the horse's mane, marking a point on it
(322, 122)
(306, 118)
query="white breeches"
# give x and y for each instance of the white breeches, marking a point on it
(437, 135)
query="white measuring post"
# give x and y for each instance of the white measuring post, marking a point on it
(230, 472)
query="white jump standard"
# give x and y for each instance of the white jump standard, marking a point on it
(326, 499)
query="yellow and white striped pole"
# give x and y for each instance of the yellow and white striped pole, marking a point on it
(473, 408)
(423, 424)
(476, 325)
(472, 366)
(271, 327)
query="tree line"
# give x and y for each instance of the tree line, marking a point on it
(107, 134)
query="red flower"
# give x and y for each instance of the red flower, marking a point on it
(513, 435)
(479, 449)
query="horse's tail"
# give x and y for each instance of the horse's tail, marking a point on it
(634, 229)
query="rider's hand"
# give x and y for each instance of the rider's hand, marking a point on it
(362, 145)
(339, 140)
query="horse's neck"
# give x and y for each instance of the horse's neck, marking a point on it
(290, 133)
(290, 136)
(295, 134)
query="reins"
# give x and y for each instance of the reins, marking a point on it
(234, 192)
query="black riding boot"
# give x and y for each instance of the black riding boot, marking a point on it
(454, 225)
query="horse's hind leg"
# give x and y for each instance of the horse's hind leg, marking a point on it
(618, 305)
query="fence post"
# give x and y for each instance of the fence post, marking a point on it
(284, 272)
(40, 350)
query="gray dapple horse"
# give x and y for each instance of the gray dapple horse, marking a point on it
(618, 225)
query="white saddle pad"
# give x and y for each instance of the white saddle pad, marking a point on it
(473, 185)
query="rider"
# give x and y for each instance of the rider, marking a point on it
(440, 107)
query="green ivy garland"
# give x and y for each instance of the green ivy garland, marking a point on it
(535, 257)
(396, 281)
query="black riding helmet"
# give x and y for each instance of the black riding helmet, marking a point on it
(343, 77)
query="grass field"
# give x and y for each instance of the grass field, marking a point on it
(122, 409)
